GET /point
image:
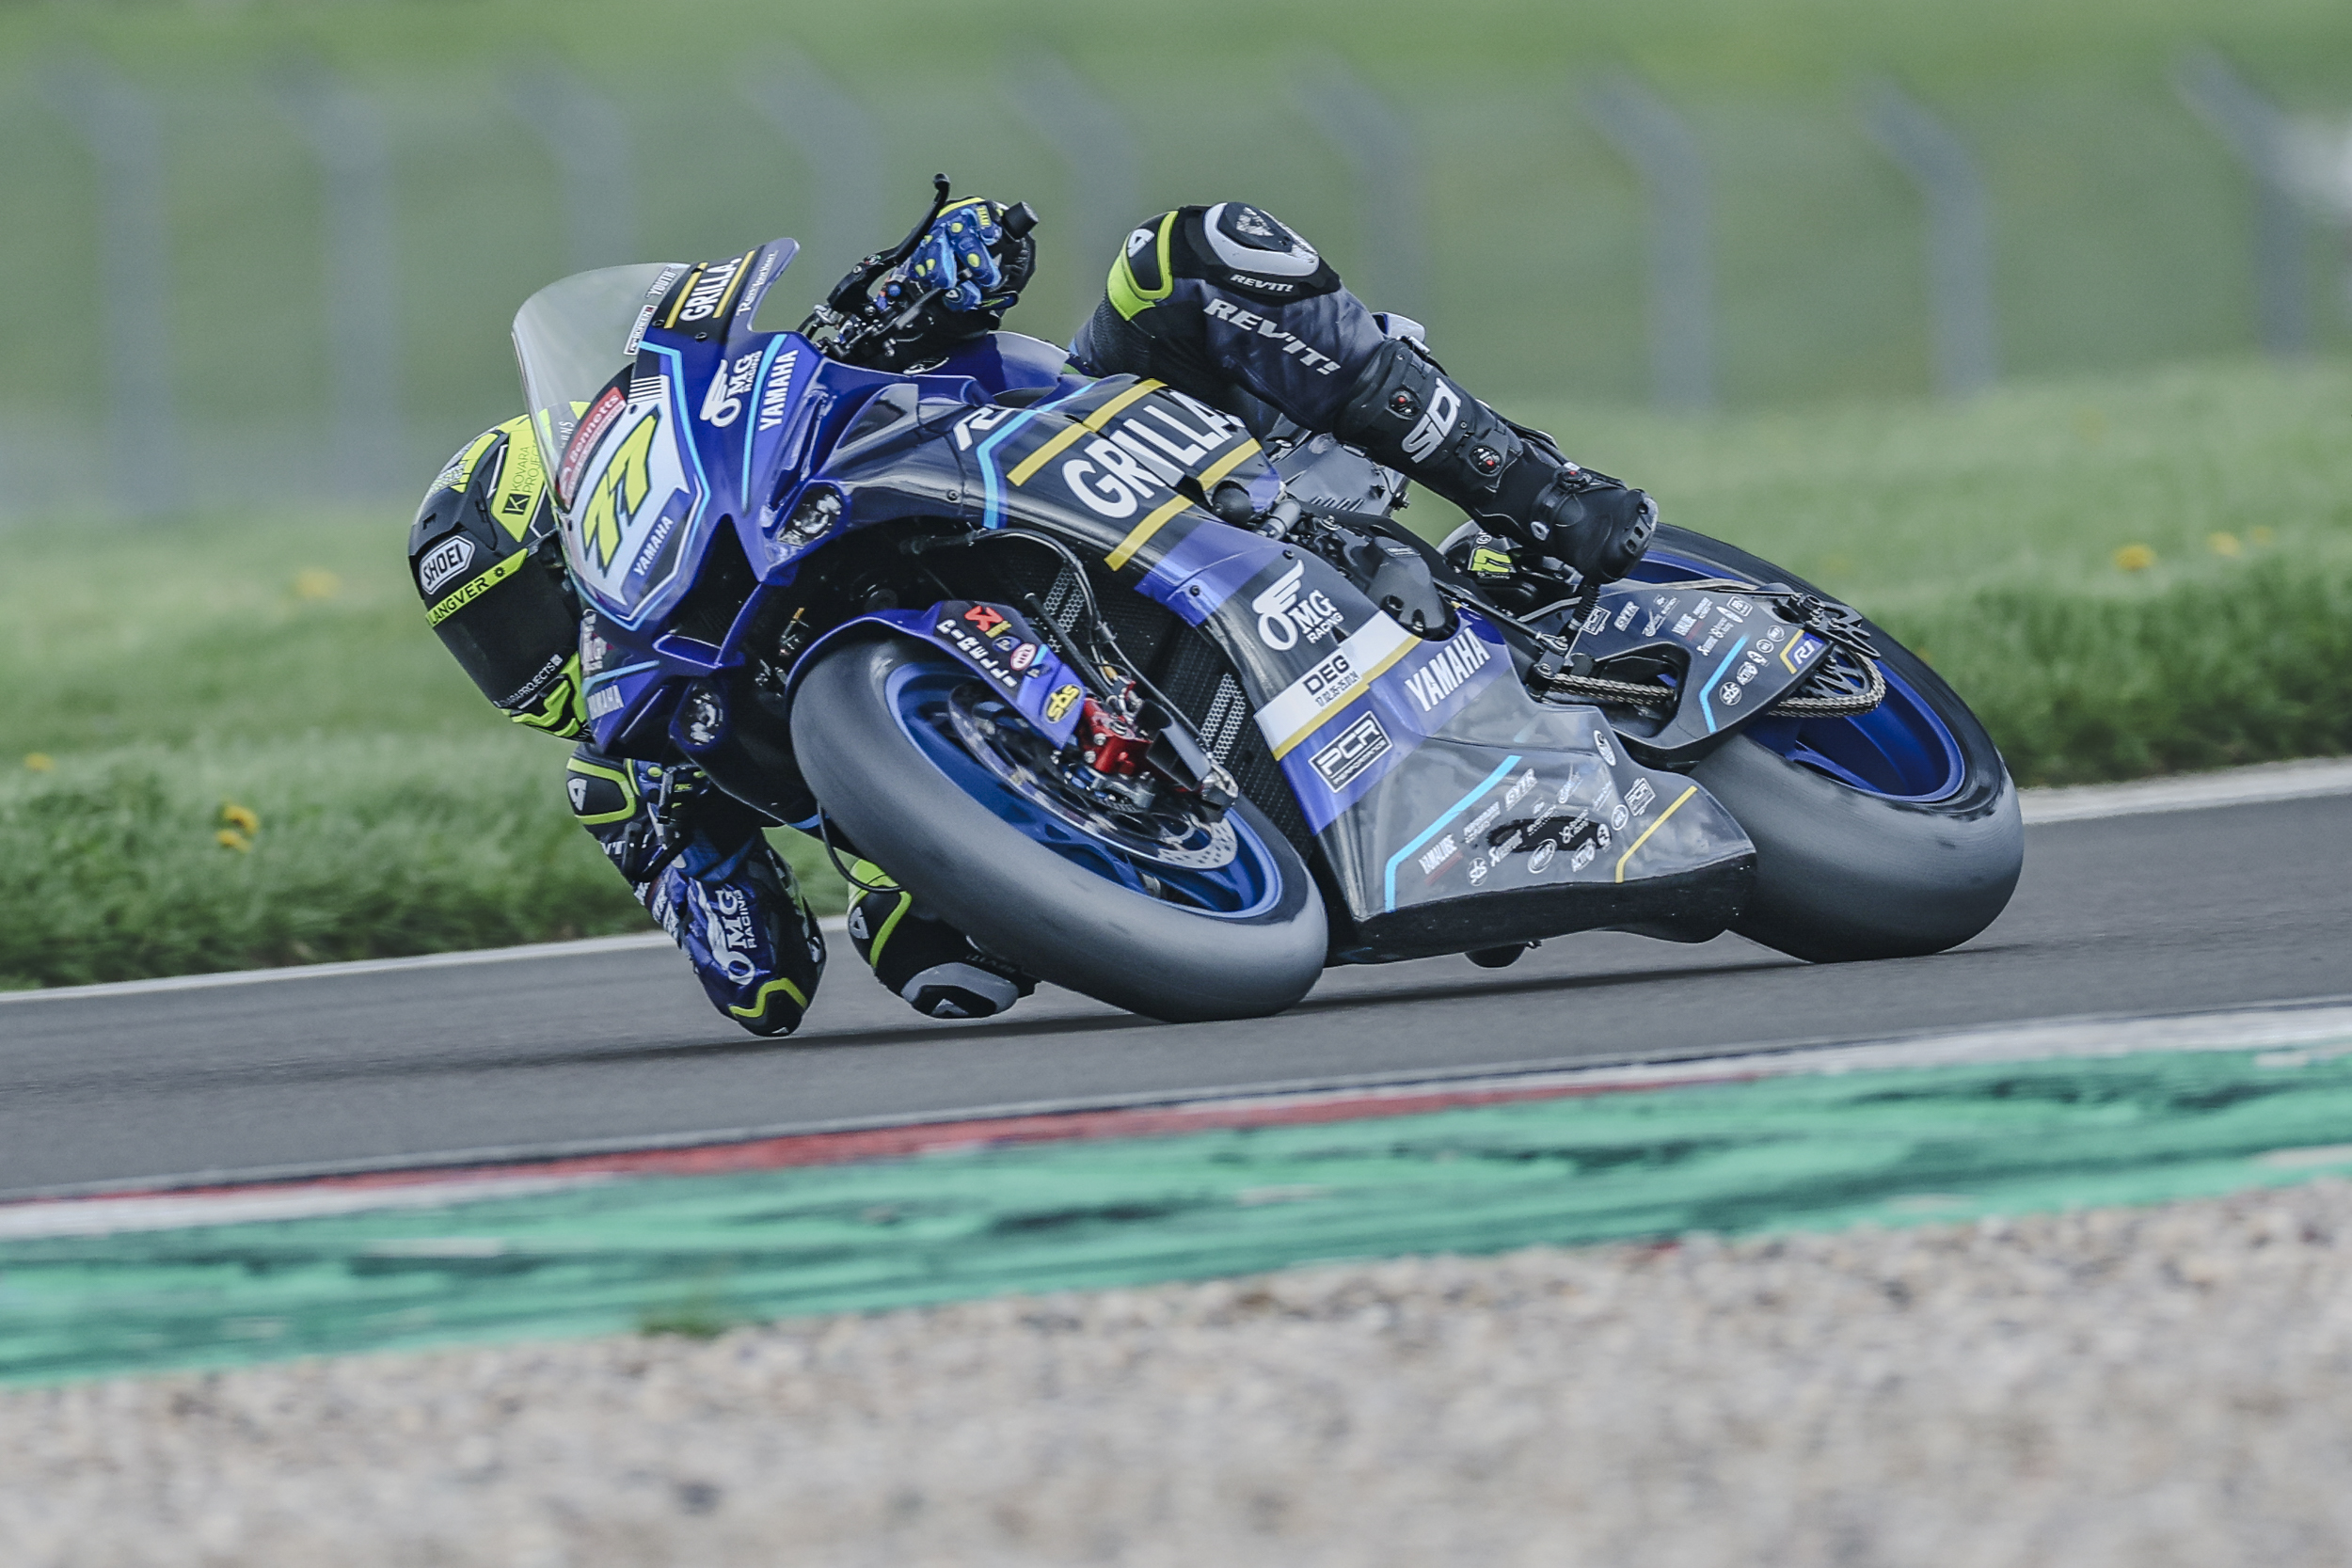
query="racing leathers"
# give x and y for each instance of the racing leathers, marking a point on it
(1230, 305)
(1221, 302)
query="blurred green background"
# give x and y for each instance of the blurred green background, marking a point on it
(233, 627)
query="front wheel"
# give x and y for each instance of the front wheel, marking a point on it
(931, 778)
(1887, 834)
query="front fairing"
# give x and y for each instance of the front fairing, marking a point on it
(683, 443)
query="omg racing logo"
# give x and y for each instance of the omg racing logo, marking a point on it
(731, 934)
(1284, 615)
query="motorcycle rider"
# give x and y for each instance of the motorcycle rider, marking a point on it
(1221, 302)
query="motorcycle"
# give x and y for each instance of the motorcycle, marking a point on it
(1176, 713)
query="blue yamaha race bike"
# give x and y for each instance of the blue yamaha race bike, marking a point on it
(1175, 713)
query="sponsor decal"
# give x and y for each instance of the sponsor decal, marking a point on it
(982, 423)
(1541, 860)
(1494, 856)
(1597, 619)
(759, 280)
(1625, 616)
(1451, 663)
(1616, 819)
(1736, 607)
(1683, 628)
(1284, 617)
(1298, 707)
(1058, 704)
(1601, 832)
(1638, 798)
(592, 650)
(1112, 480)
(1023, 655)
(1519, 788)
(775, 396)
(1705, 607)
(660, 536)
(1582, 858)
(1483, 821)
(1799, 651)
(1748, 673)
(1438, 856)
(1601, 744)
(978, 633)
(1355, 749)
(730, 934)
(709, 291)
(1728, 694)
(523, 694)
(604, 700)
(473, 588)
(577, 788)
(1248, 322)
(1477, 872)
(729, 385)
(1437, 420)
(592, 426)
(443, 561)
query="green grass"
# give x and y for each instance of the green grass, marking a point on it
(2121, 222)
(281, 663)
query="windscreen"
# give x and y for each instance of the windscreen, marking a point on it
(572, 337)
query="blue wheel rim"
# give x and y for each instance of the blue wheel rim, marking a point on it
(1900, 751)
(1248, 886)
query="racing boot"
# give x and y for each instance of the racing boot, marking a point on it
(1411, 416)
(697, 861)
(940, 971)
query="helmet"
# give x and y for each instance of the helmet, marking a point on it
(485, 559)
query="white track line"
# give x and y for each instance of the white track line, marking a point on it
(584, 947)
(2234, 786)
(2290, 1036)
(2231, 786)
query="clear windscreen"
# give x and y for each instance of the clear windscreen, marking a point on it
(572, 337)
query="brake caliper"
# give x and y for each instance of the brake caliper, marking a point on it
(1111, 744)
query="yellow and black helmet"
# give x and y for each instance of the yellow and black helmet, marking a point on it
(486, 559)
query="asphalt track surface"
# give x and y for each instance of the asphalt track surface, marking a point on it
(2170, 913)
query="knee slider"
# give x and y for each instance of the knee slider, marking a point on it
(1413, 417)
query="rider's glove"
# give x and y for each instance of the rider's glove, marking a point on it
(970, 253)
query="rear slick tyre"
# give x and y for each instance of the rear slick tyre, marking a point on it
(1844, 873)
(962, 850)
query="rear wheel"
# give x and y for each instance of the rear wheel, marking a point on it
(1885, 835)
(1135, 902)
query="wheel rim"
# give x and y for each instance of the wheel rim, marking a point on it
(1900, 750)
(1229, 873)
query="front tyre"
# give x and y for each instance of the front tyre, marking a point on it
(884, 730)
